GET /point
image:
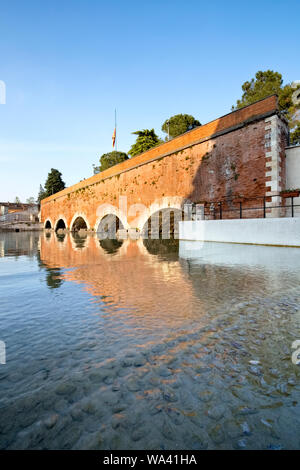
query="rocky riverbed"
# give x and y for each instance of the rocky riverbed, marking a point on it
(90, 371)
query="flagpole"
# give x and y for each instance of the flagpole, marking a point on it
(116, 129)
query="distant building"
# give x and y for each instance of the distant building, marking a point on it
(3, 209)
(18, 212)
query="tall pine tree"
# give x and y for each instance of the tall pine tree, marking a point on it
(41, 194)
(54, 182)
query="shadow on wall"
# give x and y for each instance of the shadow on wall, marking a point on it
(233, 167)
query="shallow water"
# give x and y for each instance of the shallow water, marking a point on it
(129, 346)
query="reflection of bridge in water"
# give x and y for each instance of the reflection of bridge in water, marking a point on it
(18, 244)
(123, 274)
(149, 274)
(149, 277)
(146, 285)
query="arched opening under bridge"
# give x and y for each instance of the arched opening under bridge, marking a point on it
(79, 224)
(60, 225)
(48, 224)
(109, 226)
(163, 224)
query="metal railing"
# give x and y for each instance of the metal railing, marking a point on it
(245, 208)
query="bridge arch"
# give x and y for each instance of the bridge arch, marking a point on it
(171, 203)
(163, 224)
(79, 221)
(61, 223)
(108, 210)
(109, 226)
(48, 223)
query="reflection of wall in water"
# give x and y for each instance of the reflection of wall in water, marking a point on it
(17, 244)
(251, 269)
(125, 277)
(154, 282)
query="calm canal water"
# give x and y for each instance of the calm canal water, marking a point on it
(129, 346)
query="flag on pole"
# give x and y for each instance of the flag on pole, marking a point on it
(114, 138)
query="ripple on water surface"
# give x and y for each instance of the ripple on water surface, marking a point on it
(128, 346)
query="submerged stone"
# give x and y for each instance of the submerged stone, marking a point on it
(217, 434)
(216, 412)
(51, 421)
(65, 389)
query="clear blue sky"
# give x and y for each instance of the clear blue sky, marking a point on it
(67, 64)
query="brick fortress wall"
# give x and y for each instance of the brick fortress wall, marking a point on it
(238, 155)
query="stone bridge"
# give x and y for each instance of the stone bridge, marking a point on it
(239, 154)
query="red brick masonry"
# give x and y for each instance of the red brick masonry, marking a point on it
(221, 159)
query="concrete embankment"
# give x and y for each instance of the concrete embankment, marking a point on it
(270, 231)
(20, 227)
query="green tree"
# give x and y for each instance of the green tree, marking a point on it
(30, 200)
(41, 195)
(17, 200)
(110, 159)
(265, 84)
(146, 139)
(179, 124)
(54, 182)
